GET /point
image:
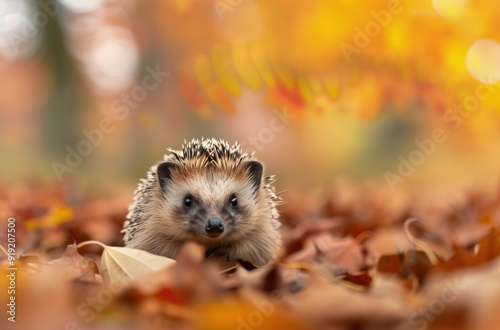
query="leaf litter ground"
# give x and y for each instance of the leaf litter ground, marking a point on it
(351, 259)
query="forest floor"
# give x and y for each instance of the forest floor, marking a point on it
(350, 259)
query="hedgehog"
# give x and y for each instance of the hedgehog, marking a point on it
(209, 192)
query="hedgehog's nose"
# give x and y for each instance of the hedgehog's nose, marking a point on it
(214, 227)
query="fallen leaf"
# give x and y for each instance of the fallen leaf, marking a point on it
(487, 249)
(326, 305)
(344, 253)
(362, 279)
(76, 266)
(236, 313)
(119, 264)
(56, 216)
(411, 263)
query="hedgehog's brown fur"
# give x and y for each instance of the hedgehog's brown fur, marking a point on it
(209, 169)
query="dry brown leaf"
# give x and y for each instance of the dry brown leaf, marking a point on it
(119, 264)
(487, 249)
(475, 291)
(412, 266)
(76, 266)
(236, 313)
(325, 304)
(344, 252)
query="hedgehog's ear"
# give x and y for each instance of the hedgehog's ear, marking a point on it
(255, 169)
(164, 172)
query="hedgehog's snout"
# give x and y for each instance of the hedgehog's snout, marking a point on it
(214, 227)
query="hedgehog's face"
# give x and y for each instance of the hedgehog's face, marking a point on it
(211, 203)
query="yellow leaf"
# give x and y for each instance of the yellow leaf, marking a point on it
(56, 216)
(259, 59)
(203, 70)
(332, 87)
(244, 68)
(315, 84)
(285, 74)
(304, 89)
(220, 62)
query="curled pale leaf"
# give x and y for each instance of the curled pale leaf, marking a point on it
(121, 264)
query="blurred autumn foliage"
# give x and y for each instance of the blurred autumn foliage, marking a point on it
(324, 54)
(332, 96)
(360, 81)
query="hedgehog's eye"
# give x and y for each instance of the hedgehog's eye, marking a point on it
(188, 201)
(234, 201)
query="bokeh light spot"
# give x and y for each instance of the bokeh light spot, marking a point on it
(483, 61)
(450, 9)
